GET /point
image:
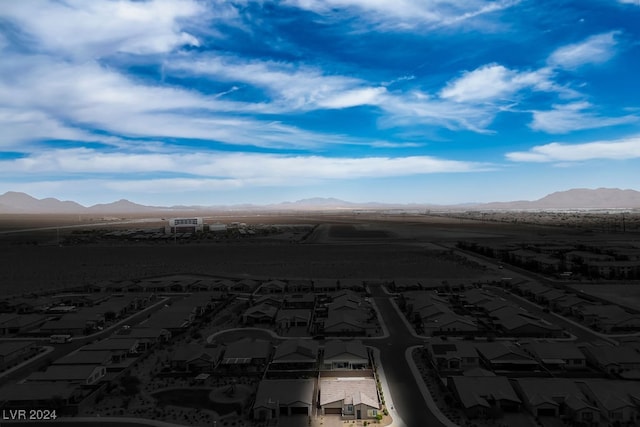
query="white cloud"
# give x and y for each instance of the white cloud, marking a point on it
(621, 149)
(636, 2)
(406, 14)
(493, 82)
(354, 97)
(594, 50)
(87, 95)
(574, 116)
(418, 108)
(255, 167)
(98, 28)
(290, 87)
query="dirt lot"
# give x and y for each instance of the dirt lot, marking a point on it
(342, 246)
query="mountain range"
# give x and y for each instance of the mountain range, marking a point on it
(580, 198)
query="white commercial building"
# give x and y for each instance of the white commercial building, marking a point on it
(185, 225)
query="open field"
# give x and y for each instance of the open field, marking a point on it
(39, 267)
(371, 246)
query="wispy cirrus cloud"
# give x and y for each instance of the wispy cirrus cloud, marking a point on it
(564, 118)
(621, 149)
(291, 87)
(406, 15)
(230, 165)
(596, 49)
(73, 97)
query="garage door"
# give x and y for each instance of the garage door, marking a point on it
(333, 411)
(546, 412)
(299, 410)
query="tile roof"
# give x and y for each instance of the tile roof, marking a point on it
(334, 349)
(474, 391)
(296, 351)
(85, 358)
(248, 348)
(284, 392)
(352, 391)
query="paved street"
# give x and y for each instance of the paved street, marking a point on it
(404, 388)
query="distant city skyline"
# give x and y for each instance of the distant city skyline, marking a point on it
(227, 102)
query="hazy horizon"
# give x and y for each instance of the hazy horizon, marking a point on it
(230, 102)
(577, 198)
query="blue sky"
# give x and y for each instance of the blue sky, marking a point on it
(406, 101)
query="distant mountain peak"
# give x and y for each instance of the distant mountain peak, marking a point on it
(578, 198)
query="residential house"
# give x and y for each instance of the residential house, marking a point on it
(532, 289)
(208, 285)
(273, 287)
(293, 318)
(119, 348)
(283, 397)
(300, 285)
(14, 323)
(570, 304)
(608, 318)
(550, 296)
(325, 285)
(405, 285)
(247, 355)
(97, 358)
(493, 305)
(80, 300)
(355, 285)
(350, 397)
(477, 297)
(259, 314)
(243, 286)
(306, 301)
(198, 304)
(516, 322)
(555, 355)
(343, 304)
(504, 356)
(618, 401)
(269, 299)
(484, 396)
(195, 358)
(615, 269)
(614, 360)
(15, 352)
(147, 337)
(452, 356)
(83, 375)
(347, 295)
(66, 325)
(345, 355)
(173, 319)
(450, 324)
(296, 355)
(557, 398)
(26, 305)
(347, 323)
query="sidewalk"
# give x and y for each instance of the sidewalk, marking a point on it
(388, 398)
(426, 394)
